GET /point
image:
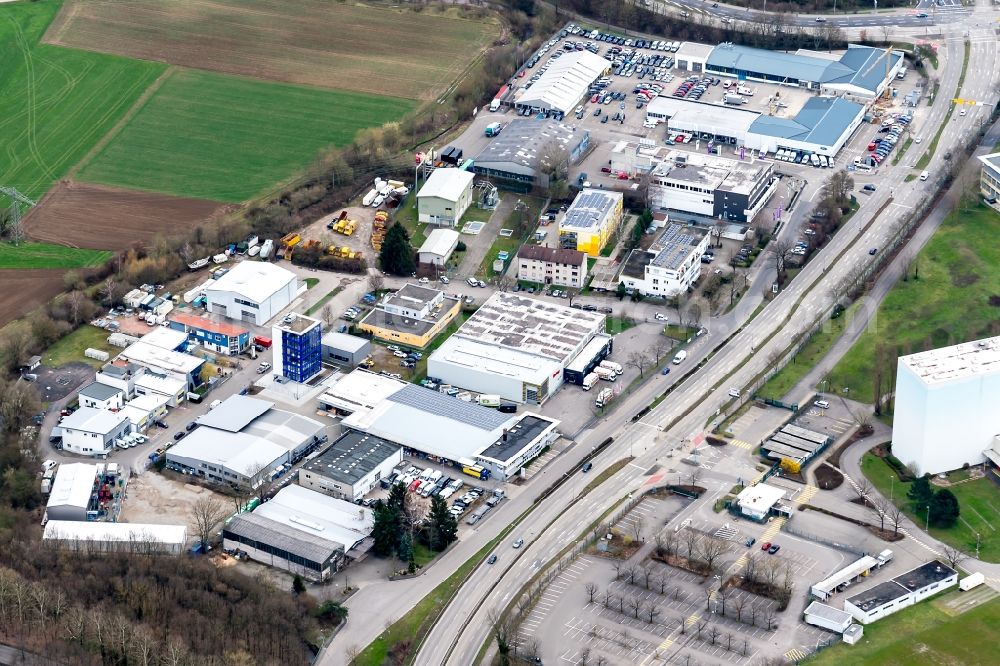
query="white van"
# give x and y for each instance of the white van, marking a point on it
(924, 175)
(679, 358)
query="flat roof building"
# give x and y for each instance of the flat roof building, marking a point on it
(902, 591)
(670, 265)
(946, 406)
(591, 221)
(828, 617)
(92, 432)
(298, 348)
(166, 338)
(345, 349)
(443, 427)
(989, 178)
(757, 501)
(302, 531)
(445, 196)
(711, 187)
(102, 537)
(252, 291)
(515, 347)
(526, 151)
(360, 390)
(438, 247)
(101, 396)
(412, 316)
(352, 466)
(564, 84)
(164, 361)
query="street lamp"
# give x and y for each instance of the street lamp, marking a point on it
(892, 485)
(927, 525)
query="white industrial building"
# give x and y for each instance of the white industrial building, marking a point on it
(711, 186)
(351, 467)
(171, 388)
(564, 84)
(175, 364)
(900, 592)
(166, 338)
(73, 492)
(670, 265)
(253, 291)
(144, 410)
(527, 151)
(243, 441)
(92, 432)
(345, 348)
(360, 390)
(101, 396)
(828, 617)
(515, 347)
(438, 247)
(102, 537)
(120, 374)
(302, 531)
(822, 126)
(947, 407)
(445, 428)
(445, 196)
(759, 501)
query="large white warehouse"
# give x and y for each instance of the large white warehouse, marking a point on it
(252, 291)
(947, 407)
(515, 347)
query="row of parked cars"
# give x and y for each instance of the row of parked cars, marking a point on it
(654, 44)
(628, 63)
(881, 146)
(802, 157)
(427, 482)
(694, 87)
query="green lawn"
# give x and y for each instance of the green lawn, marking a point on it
(70, 348)
(56, 103)
(979, 506)
(616, 325)
(923, 634)
(807, 358)
(959, 271)
(509, 244)
(44, 255)
(318, 305)
(311, 282)
(226, 138)
(407, 216)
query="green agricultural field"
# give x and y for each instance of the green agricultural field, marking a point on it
(56, 103)
(978, 501)
(43, 255)
(226, 138)
(923, 634)
(959, 270)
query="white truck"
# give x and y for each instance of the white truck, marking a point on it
(489, 400)
(734, 100)
(369, 198)
(744, 90)
(611, 365)
(604, 397)
(606, 374)
(266, 248)
(590, 380)
(680, 356)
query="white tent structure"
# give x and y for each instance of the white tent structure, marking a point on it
(565, 83)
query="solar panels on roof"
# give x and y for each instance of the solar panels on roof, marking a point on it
(441, 404)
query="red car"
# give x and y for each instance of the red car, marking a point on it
(765, 545)
(871, 146)
(594, 99)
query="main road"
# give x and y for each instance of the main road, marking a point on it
(928, 16)
(464, 626)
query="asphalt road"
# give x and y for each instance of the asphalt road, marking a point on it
(895, 18)
(557, 521)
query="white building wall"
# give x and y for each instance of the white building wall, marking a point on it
(663, 197)
(90, 443)
(114, 402)
(265, 311)
(126, 385)
(314, 481)
(547, 272)
(945, 425)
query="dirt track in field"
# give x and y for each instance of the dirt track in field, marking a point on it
(108, 218)
(395, 52)
(25, 289)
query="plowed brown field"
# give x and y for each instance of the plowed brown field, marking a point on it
(25, 289)
(107, 218)
(394, 52)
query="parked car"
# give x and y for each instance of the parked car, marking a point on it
(751, 541)
(765, 545)
(774, 549)
(822, 404)
(178, 436)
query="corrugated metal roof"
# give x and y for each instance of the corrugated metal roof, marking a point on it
(775, 63)
(235, 413)
(441, 404)
(565, 81)
(271, 532)
(821, 121)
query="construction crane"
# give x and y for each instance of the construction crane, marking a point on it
(887, 56)
(16, 199)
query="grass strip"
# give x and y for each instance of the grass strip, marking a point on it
(323, 301)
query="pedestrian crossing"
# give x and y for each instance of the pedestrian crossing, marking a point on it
(727, 532)
(692, 620)
(795, 655)
(740, 444)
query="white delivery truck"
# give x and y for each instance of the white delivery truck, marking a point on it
(590, 380)
(489, 400)
(605, 374)
(611, 365)
(680, 356)
(604, 397)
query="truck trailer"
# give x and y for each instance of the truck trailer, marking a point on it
(604, 397)
(606, 374)
(590, 380)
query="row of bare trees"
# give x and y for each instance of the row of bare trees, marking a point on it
(769, 577)
(701, 553)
